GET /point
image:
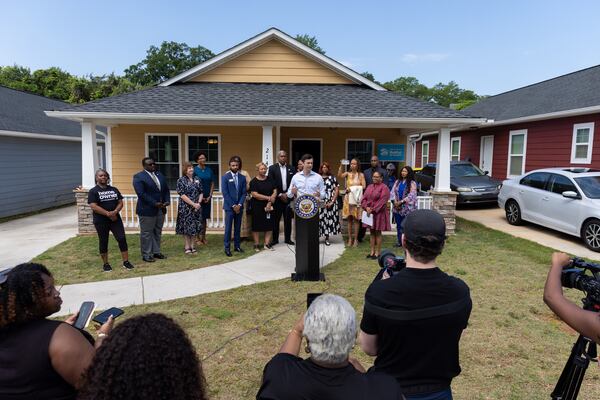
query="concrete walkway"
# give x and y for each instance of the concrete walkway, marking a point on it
(494, 218)
(262, 267)
(24, 238)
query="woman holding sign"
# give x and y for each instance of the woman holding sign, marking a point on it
(374, 203)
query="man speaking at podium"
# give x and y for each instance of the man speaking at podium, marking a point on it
(307, 181)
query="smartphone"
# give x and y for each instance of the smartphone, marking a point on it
(104, 315)
(345, 162)
(310, 297)
(85, 314)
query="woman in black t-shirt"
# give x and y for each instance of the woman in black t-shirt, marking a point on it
(106, 202)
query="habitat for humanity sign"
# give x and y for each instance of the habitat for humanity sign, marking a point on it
(390, 152)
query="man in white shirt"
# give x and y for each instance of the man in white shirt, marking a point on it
(307, 181)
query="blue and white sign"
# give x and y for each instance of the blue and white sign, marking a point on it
(306, 206)
(390, 152)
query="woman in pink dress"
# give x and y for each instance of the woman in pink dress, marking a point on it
(374, 202)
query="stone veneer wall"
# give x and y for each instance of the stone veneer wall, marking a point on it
(84, 213)
(445, 204)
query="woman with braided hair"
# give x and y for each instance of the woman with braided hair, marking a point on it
(146, 357)
(39, 358)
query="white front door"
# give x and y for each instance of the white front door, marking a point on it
(487, 153)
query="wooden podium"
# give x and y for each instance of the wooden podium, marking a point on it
(306, 214)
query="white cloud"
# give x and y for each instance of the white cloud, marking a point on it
(412, 58)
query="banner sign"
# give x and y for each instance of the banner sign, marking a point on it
(390, 152)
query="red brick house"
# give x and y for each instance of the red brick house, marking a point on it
(547, 124)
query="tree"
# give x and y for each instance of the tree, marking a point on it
(53, 82)
(17, 77)
(409, 86)
(369, 76)
(310, 41)
(166, 61)
(451, 93)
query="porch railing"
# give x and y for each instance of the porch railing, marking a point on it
(217, 221)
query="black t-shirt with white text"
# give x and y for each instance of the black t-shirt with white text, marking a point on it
(421, 353)
(292, 378)
(107, 198)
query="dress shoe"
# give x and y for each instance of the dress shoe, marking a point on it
(148, 259)
(290, 242)
(228, 252)
(274, 242)
(160, 256)
(239, 249)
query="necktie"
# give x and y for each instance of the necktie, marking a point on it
(155, 179)
(235, 181)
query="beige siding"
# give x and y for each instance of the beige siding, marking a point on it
(273, 62)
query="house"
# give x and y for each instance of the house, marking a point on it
(547, 124)
(267, 93)
(40, 157)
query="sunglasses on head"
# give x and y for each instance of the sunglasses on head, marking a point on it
(4, 275)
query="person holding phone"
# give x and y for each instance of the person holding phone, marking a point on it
(106, 203)
(329, 372)
(40, 358)
(189, 210)
(355, 185)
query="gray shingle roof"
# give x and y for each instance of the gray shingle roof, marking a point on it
(24, 112)
(567, 92)
(268, 99)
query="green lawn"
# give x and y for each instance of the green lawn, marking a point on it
(514, 348)
(77, 260)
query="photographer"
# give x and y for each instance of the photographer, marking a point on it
(583, 321)
(413, 321)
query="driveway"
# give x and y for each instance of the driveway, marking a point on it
(24, 238)
(494, 218)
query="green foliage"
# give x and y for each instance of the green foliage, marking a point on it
(442, 94)
(310, 41)
(369, 76)
(17, 77)
(166, 61)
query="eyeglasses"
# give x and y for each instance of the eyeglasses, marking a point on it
(4, 275)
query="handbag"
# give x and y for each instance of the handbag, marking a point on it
(355, 195)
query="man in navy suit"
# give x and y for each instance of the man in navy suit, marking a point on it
(153, 198)
(233, 188)
(281, 173)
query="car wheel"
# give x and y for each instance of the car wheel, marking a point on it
(513, 213)
(591, 234)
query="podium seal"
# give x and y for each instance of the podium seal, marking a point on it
(306, 206)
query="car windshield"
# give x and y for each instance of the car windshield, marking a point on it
(460, 170)
(590, 186)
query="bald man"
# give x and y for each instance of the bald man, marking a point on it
(281, 173)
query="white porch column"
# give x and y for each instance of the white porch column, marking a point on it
(442, 174)
(89, 155)
(108, 147)
(267, 145)
(278, 138)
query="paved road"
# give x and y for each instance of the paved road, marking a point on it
(24, 238)
(494, 218)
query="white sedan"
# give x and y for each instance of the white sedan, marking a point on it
(564, 199)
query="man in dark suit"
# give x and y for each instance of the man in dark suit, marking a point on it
(233, 187)
(153, 197)
(281, 173)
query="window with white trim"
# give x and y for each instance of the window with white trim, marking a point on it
(455, 149)
(424, 153)
(209, 145)
(583, 139)
(164, 150)
(517, 147)
(362, 149)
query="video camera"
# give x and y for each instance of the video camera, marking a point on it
(574, 276)
(390, 263)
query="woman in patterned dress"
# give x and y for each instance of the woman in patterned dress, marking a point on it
(189, 211)
(355, 184)
(329, 218)
(404, 197)
(374, 202)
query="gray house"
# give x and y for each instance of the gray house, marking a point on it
(40, 157)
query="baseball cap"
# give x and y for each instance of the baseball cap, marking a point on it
(424, 223)
(390, 166)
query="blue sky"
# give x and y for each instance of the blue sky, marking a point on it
(486, 46)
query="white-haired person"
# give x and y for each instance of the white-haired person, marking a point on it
(330, 328)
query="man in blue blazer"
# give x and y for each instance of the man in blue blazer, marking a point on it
(233, 188)
(153, 197)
